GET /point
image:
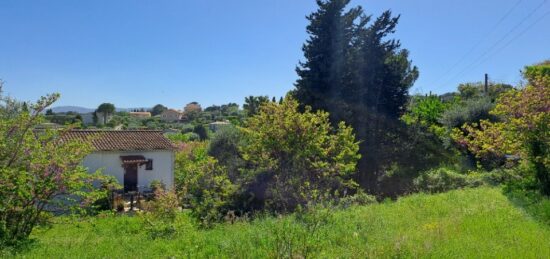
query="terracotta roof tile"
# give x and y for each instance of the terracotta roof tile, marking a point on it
(122, 140)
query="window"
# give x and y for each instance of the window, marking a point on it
(149, 164)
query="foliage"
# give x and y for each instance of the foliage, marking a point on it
(192, 111)
(252, 104)
(297, 157)
(178, 137)
(445, 179)
(201, 131)
(476, 90)
(425, 110)
(524, 131)
(202, 183)
(470, 223)
(359, 198)
(225, 147)
(39, 170)
(354, 72)
(161, 213)
(470, 111)
(105, 109)
(158, 109)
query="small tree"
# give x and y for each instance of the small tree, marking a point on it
(201, 131)
(38, 169)
(252, 104)
(524, 130)
(158, 109)
(299, 156)
(106, 109)
(202, 183)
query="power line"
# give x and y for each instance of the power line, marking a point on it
(476, 61)
(516, 37)
(486, 35)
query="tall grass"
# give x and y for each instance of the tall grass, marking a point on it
(472, 223)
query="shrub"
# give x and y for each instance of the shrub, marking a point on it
(192, 136)
(202, 184)
(161, 213)
(201, 131)
(445, 179)
(358, 199)
(524, 130)
(157, 185)
(225, 146)
(294, 158)
(39, 170)
(471, 111)
(178, 137)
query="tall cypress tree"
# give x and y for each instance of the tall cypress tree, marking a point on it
(382, 79)
(327, 55)
(359, 76)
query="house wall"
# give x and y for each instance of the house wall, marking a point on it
(110, 164)
(170, 115)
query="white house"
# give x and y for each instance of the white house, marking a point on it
(171, 115)
(217, 125)
(134, 157)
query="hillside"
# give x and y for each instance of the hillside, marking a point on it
(77, 109)
(467, 223)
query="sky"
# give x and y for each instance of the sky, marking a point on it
(137, 53)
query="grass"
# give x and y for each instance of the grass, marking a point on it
(473, 223)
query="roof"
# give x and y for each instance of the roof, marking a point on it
(171, 110)
(122, 140)
(133, 159)
(220, 123)
(140, 113)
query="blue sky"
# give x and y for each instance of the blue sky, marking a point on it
(140, 53)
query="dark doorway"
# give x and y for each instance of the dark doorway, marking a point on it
(130, 177)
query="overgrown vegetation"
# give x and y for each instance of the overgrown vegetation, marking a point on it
(39, 171)
(467, 223)
(299, 177)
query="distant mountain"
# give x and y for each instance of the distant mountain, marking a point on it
(133, 109)
(76, 109)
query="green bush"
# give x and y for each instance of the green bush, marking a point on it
(202, 183)
(224, 146)
(160, 214)
(445, 179)
(297, 157)
(358, 199)
(470, 111)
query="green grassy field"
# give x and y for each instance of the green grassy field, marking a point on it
(475, 223)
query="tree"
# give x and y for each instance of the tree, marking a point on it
(327, 66)
(252, 104)
(49, 112)
(476, 90)
(225, 146)
(524, 129)
(202, 183)
(426, 110)
(158, 109)
(192, 111)
(106, 109)
(469, 111)
(297, 158)
(201, 131)
(359, 76)
(39, 169)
